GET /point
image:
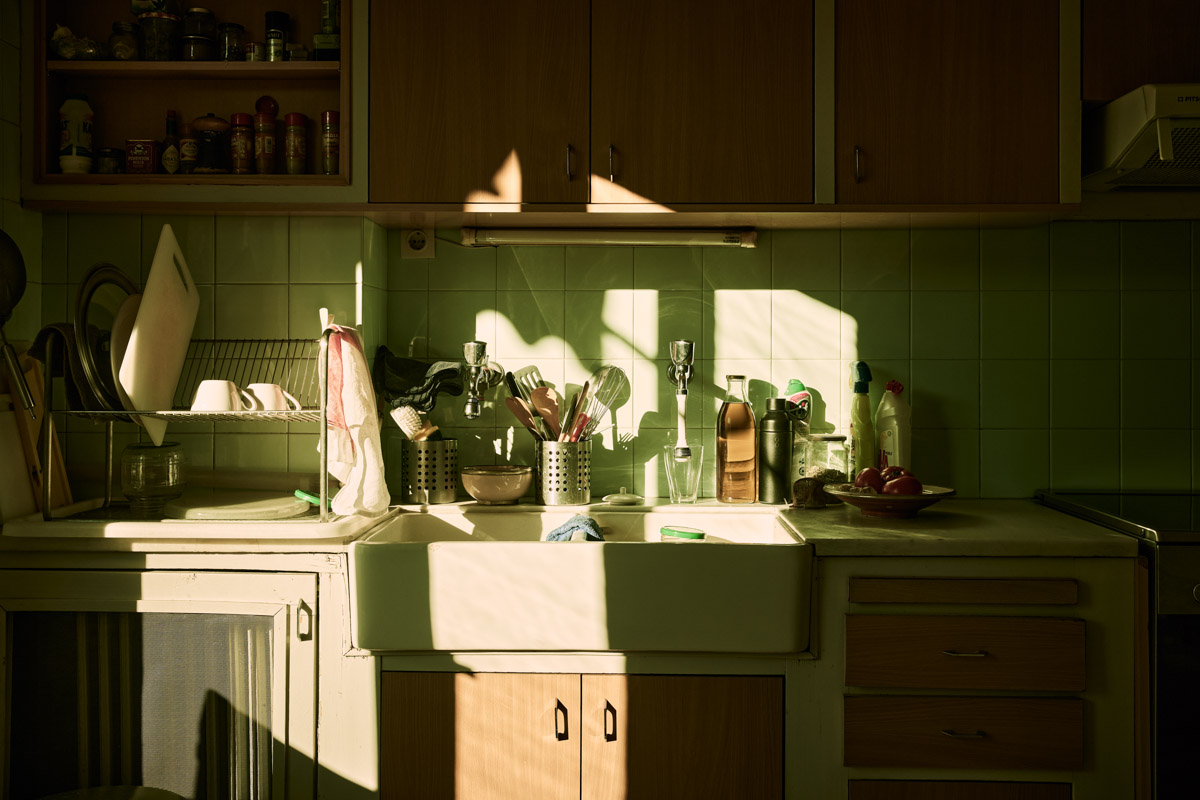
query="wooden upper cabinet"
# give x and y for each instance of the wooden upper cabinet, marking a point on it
(946, 102)
(702, 102)
(1127, 44)
(479, 100)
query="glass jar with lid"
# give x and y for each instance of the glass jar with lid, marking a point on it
(231, 41)
(199, 22)
(822, 456)
(123, 43)
(160, 36)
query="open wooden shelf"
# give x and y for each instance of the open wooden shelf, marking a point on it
(205, 70)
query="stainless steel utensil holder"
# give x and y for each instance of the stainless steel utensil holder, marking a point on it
(429, 471)
(564, 473)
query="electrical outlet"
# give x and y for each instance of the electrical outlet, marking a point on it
(416, 243)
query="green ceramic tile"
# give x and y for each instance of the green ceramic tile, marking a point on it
(1156, 255)
(948, 458)
(10, 158)
(197, 239)
(305, 302)
(739, 267)
(530, 325)
(252, 250)
(599, 324)
(197, 448)
(806, 325)
(667, 268)
(112, 238)
(375, 254)
(1084, 256)
(805, 259)
(1155, 325)
(375, 319)
(945, 324)
(1014, 394)
(408, 323)
(405, 274)
(264, 451)
(26, 319)
(1085, 460)
(945, 258)
(1151, 462)
(875, 259)
(599, 267)
(1014, 258)
(251, 312)
(884, 370)
(738, 322)
(1015, 324)
(25, 228)
(1073, 382)
(206, 320)
(649, 475)
(458, 317)
(612, 465)
(477, 448)
(1085, 324)
(1146, 399)
(54, 303)
(461, 268)
(54, 247)
(1013, 464)
(660, 317)
(325, 250)
(653, 403)
(875, 325)
(530, 268)
(303, 456)
(944, 394)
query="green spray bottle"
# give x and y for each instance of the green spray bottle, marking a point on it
(862, 431)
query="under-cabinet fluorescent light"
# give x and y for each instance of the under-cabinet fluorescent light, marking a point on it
(495, 237)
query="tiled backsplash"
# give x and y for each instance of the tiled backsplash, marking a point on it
(1058, 355)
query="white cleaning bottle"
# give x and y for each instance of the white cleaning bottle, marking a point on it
(862, 432)
(893, 424)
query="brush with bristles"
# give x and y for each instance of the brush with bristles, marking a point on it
(412, 426)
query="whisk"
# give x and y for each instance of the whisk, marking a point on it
(611, 384)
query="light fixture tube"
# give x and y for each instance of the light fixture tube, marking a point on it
(681, 237)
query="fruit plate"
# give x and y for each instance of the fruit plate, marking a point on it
(890, 506)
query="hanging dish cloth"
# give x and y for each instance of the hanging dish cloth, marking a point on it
(355, 456)
(413, 382)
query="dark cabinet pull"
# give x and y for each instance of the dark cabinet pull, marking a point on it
(957, 654)
(611, 176)
(957, 735)
(570, 171)
(561, 735)
(609, 711)
(857, 164)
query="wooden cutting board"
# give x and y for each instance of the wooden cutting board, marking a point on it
(28, 431)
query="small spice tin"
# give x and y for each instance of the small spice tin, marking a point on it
(110, 161)
(141, 156)
(256, 51)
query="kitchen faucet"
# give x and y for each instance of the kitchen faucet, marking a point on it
(481, 376)
(680, 372)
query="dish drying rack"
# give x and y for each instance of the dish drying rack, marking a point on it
(300, 366)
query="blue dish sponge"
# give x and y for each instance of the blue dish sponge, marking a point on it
(589, 526)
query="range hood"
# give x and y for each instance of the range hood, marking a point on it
(1147, 139)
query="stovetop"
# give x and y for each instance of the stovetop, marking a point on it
(1163, 517)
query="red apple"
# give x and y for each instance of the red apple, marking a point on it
(905, 484)
(893, 472)
(871, 477)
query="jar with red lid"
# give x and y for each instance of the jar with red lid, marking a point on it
(295, 144)
(241, 144)
(264, 143)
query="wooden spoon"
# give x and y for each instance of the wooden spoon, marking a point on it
(524, 415)
(545, 400)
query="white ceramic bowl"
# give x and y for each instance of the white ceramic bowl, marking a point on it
(497, 484)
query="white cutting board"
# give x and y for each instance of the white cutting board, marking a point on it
(161, 334)
(237, 506)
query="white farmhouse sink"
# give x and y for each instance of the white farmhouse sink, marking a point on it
(469, 577)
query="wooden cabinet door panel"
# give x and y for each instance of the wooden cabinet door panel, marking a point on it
(682, 736)
(946, 101)
(1004, 591)
(1011, 653)
(964, 732)
(459, 90)
(957, 790)
(702, 102)
(479, 736)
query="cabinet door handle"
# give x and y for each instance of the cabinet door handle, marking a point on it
(563, 734)
(610, 735)
(570, 172)
(611, 174)
(304, 629)
(957, 735)
(956, 654)
(857, 164)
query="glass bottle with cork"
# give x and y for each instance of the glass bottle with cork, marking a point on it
(737, 445)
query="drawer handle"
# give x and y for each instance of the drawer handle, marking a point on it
(609, 711)
(956, 654)
(957, 735)
(560, 735)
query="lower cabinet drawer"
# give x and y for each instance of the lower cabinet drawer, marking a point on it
(967, 732)
(957, 790)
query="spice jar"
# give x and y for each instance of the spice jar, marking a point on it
(330, 142)
(295, 144)
(241, 145)
(197, 48)
(277, 31)
(160, 36)
(211, 150)
(110, 161)
(264, 143)
(256, 51)
(123, 44)
(189, 148)
(230, 38)
(199, 22)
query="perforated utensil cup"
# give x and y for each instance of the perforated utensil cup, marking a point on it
(430, 471)
(564, 473)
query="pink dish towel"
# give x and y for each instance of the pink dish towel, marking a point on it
(355, 456)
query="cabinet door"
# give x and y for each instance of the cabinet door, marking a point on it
(479, 100)
(682, 736)
(702, 102)
(940, 101)
(479, 737)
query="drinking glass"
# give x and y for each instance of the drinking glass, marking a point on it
(683, 475)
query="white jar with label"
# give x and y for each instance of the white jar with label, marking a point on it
(75, 119)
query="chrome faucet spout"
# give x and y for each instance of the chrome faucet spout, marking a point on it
(481, 376)
(679, 372)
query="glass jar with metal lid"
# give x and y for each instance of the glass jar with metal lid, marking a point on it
(123, 43)
(822, 456)
(231, 39)
(199, 22)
